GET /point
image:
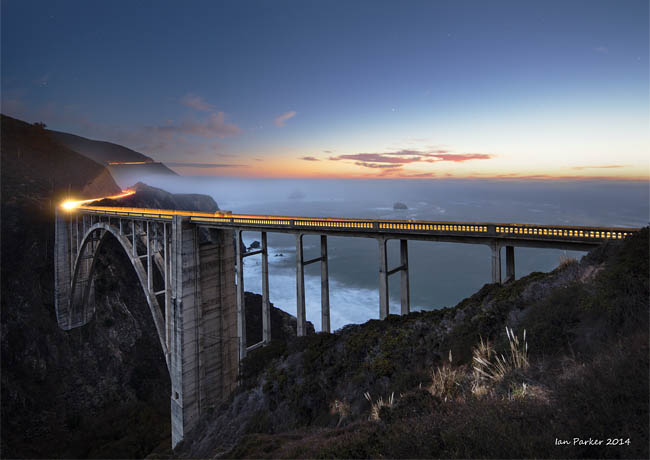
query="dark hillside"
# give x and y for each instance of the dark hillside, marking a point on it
(106, 152)
(36, 166)
(454, 384)
(87, 392)
(100, 151)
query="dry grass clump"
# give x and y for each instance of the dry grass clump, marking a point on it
(490, 366)
(491, 375)
(375, 407)
(566, 260)
(446, 381)
(340, 408)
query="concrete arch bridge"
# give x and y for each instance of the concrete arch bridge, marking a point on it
(190, 267)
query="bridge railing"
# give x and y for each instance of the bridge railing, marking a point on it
(329, 224)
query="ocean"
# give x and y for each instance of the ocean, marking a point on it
(441, 274)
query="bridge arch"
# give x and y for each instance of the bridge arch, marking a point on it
(107, 230)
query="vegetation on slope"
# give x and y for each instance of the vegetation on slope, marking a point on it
(583, 375)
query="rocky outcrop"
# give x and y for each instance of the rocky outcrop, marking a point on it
(399, 206)
(283, 325)
(152, 197)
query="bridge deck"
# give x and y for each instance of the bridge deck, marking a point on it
(532, 235)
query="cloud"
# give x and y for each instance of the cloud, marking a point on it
(309, 158)
(460, 157)
(44, 80)
(399, 158)
(377, 158)
(598, 167)
(280, 120)
(327, 151)
(203, 165)
(419, 175)
(196, 102)
(601, 49)
(376, 165)
(214, 126)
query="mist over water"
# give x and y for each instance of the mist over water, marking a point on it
(441, 274)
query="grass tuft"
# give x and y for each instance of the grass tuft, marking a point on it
(566, 260)
(340, 408)
(375, 407)
(491, 366)
(446, 381)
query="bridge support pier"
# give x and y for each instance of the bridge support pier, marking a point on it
(300, 288)
(203, 355)
(266, 306)
(324, 286)
(405, 290)
(384, 273)
(510, 263)
(241, 306)
(496, 262)
(300, 285)
(63, 262)
(383, 279)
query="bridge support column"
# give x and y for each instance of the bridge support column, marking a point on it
(241, 302)
(204, 349)
(63, 261)
(496, 262)
(383, 279)
(510, 263)
(133, 239)
(405, 291)
(266, 306)
(166, 276)
(149, 268)
(324, 286)
(300, 288)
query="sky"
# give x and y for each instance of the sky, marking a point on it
(342, 89)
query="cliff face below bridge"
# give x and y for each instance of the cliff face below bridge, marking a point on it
(583, 373)
(87, 392)
(101, 390)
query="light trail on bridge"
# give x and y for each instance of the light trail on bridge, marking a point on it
(70, 205)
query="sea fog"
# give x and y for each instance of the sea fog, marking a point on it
(441, 274)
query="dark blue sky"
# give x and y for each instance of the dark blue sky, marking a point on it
(537, 88)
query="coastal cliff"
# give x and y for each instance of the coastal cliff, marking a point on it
(462, 380)
(101, 390)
